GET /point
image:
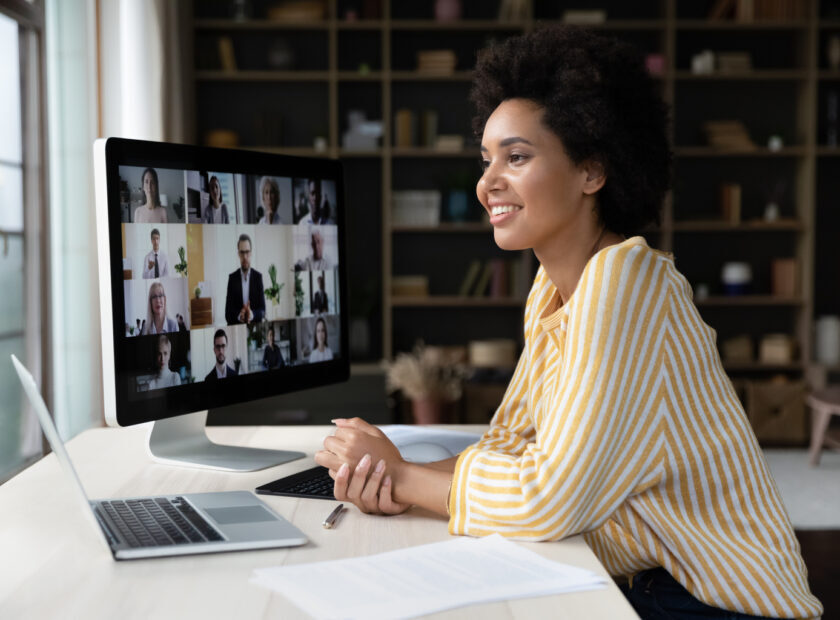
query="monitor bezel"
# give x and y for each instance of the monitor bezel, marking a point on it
(120, 410)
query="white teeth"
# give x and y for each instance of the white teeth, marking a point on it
(504, 209)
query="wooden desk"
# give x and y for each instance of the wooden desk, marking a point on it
(53, 566)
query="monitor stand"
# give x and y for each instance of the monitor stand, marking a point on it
(182, 440)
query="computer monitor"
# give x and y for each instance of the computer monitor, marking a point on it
(222, 280)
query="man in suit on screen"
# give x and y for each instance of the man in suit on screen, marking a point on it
(245, 301)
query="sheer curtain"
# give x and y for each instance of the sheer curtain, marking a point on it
(114, 70)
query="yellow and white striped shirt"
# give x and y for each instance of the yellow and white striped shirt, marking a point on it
(620, 423)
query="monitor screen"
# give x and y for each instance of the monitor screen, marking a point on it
(224, 276)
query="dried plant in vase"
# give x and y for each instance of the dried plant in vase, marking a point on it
(432, 377)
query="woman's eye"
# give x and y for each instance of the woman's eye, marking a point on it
(516, 158)
(483, 164)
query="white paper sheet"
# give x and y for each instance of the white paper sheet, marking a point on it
(420, 580)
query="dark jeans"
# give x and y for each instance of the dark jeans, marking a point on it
(655, 595)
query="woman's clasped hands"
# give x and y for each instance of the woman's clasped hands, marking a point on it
(364, 463)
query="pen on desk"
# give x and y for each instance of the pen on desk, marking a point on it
(329, 522)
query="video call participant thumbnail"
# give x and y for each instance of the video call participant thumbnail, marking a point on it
(151, 211)
(245, 299)
(272, 357)
(317, 261)
(164, 377)
(216, 211)
(221, 370)
(156, 263)
(157, 320)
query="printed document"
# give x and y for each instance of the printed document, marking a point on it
(420, 580)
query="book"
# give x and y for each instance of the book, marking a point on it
(499, 288)
(227, 57)
(404, 128)
(730, 202)
(484, 280)
(470, 278)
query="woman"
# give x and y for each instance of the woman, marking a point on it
(320, 351)
(164, 377)
(619, 423)
(216, 211)
(270, 194)
(157, 321)
(150, 212)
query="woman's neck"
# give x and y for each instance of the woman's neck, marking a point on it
(566, 259)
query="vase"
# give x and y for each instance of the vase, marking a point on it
(429, 410)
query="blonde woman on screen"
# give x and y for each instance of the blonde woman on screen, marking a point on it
(157, 321)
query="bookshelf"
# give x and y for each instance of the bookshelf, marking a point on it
(369, 63)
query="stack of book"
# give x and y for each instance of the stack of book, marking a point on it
(496, 278)
(436, 62)
(733, 62)
(728, 135)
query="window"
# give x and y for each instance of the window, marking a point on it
(22, 179)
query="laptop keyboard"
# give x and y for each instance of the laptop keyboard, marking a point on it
(315, 483)
(157, 522)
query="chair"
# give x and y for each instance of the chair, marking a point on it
(823, 403)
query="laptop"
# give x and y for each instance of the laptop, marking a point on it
(167, 525)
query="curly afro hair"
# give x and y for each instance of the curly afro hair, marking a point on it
(599, 99)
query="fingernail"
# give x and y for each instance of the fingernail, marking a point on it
(365, 462)
(337, 420)
(387, 481)
(380, 466)
(342, 471)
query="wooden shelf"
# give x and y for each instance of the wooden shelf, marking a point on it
(258, 24)
(416, 76)
(760, 151)
(355, 76)
(701, 226)
(360, 24)
(301, 151)
(766, 75)
(454, 301)
(616, 24)
(799, 74)
(759, 366)
(263, 76)
(428, 152)
(721, 24)
(446, 228)
(748, 300)
(460, 24)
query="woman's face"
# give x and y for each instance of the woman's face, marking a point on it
(533, 192)
(149, 186)
(320, 334)
(270, 197)
(215, 192)
(158, 301)
(163, 356)
(271, 336)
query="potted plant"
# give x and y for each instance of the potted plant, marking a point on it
(181, 267)
(432, 377)
(273, 291)
(298, 294)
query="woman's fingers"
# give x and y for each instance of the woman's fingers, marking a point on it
(357, 481)
(340, 486)
(358, 424)
(370, 494)
(327, 459)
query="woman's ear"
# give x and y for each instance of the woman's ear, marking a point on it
(596, 176)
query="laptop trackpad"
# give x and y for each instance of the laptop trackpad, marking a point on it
(240, 514)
